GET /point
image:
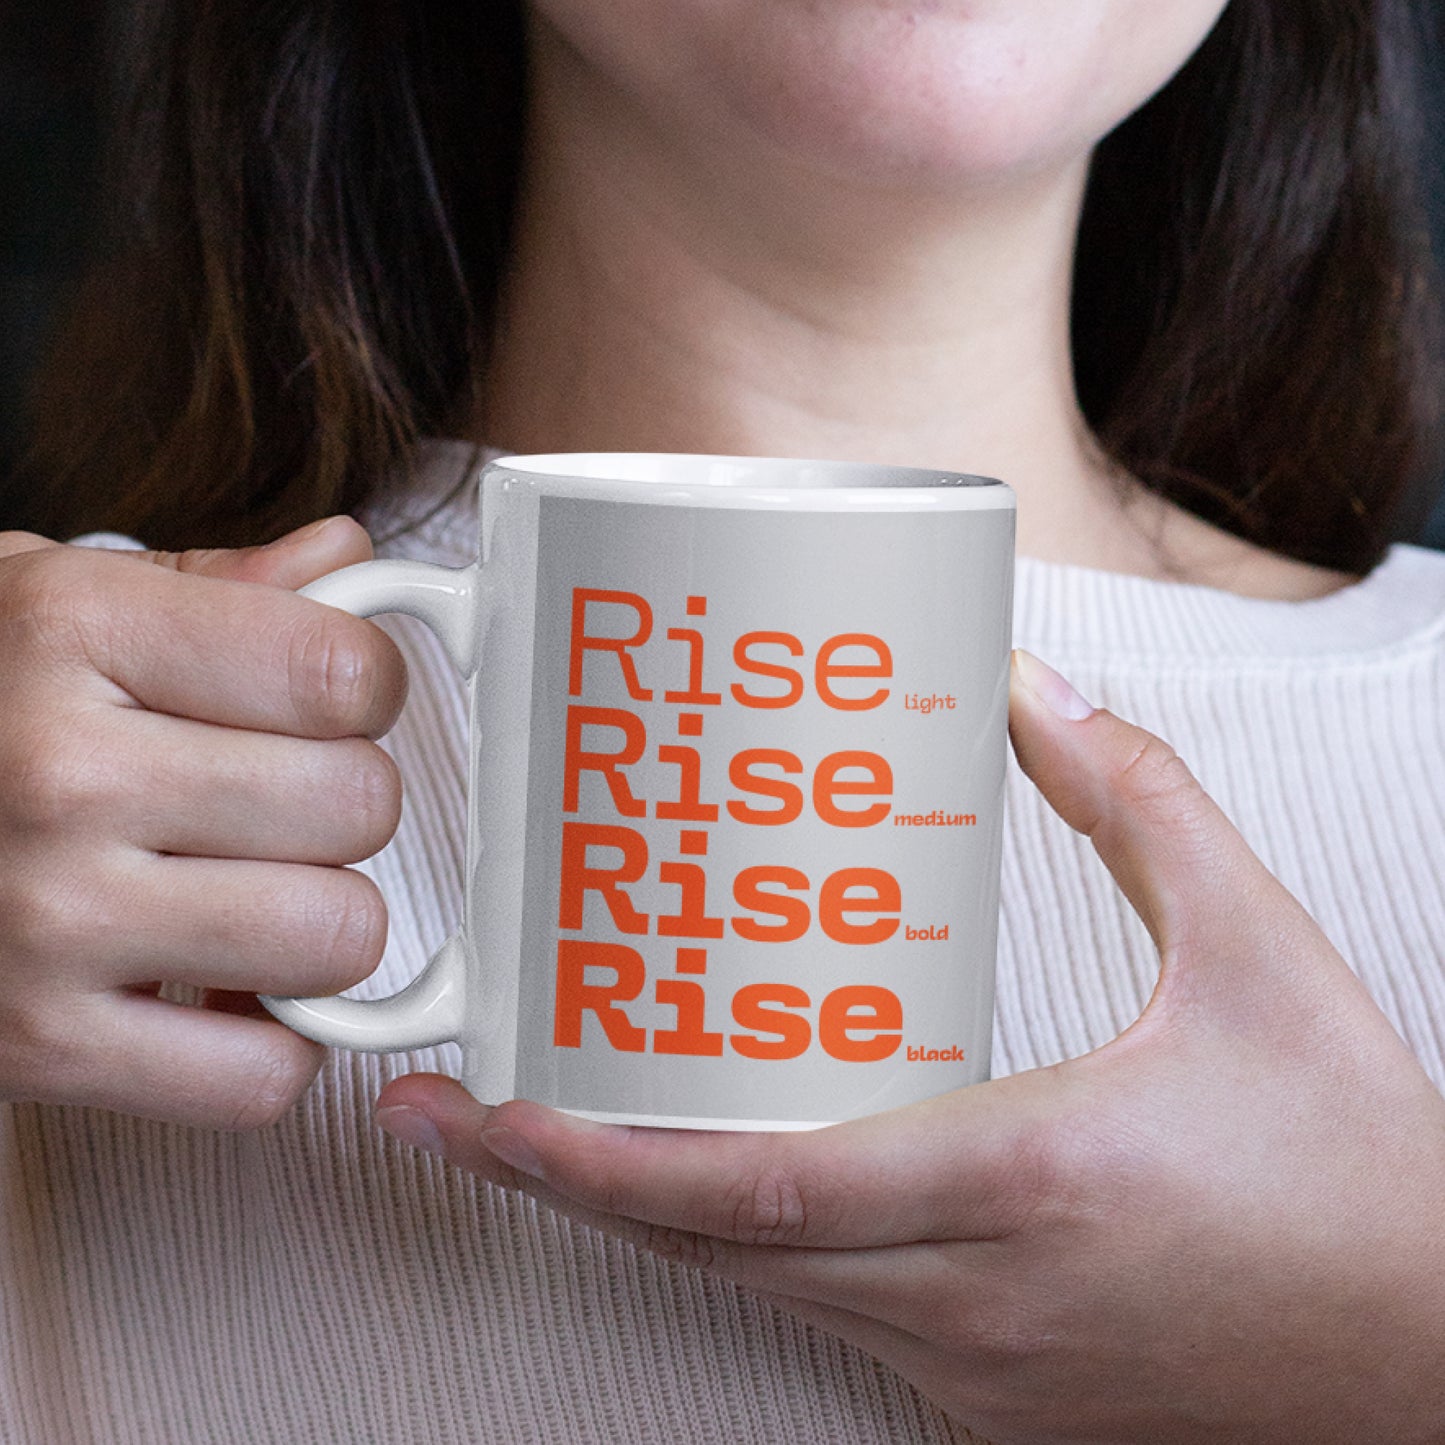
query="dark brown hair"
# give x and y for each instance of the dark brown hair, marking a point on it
(315, 200)
(1256, 317)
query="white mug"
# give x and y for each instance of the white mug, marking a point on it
(736, 801)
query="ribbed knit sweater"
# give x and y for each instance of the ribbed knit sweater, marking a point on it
(315, 1281)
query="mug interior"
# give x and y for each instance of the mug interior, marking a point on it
(685, 469)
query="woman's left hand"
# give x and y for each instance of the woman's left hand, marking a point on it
(1223, 1225)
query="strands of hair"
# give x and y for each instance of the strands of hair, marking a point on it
(316, 205)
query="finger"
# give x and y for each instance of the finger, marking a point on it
(196, 789)
(1178, 859)
(971, 1164)
(898, 1286)
(273, 928)
(12, 544)
(160, 1060)
(903, 1289)
(290, 561)
(208, 648)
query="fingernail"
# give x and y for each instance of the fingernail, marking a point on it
(512, 1149)
(411, 1126)
(1053, 691)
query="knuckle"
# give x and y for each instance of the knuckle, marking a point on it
(13, 543)
(1154, 775)
(62, 608)
(36, 579)
(1038, 1182)
(768, 1208)
(57, 778)
(329, 676)
(1001, 1332)
(1043, 1177)
(44, 597)
(41, 1044)
(45, 918)
(197, 560)
(681, 1246)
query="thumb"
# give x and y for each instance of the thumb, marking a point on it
(290, 561)
(1180, 862)
(959, 1164)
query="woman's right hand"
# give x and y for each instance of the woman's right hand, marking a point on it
(186, 764)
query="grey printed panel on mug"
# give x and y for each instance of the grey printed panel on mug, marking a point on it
(772, 891)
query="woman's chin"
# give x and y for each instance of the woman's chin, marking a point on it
(949, 92)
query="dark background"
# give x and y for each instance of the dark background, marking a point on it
(52, 105)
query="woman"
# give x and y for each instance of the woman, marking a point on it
(839, 230)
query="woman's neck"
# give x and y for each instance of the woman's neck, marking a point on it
(768, 311)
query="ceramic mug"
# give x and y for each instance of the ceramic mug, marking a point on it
(736, 802)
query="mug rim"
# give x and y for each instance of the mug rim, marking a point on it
(717, 480)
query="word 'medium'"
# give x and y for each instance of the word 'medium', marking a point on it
(612, 637)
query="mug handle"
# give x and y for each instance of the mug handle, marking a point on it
(429, 1009)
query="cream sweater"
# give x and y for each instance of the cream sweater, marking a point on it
(317, 1282)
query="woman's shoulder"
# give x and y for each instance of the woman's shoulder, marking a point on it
(1119, 621)
(1404, 597)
